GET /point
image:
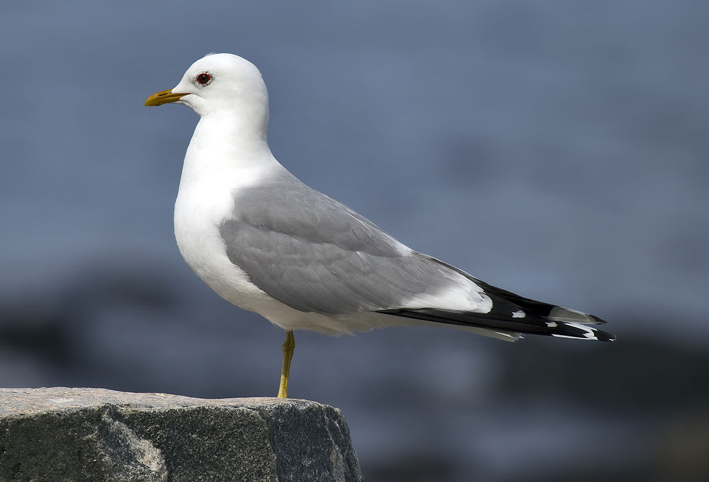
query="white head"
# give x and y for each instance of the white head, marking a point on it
(220, 84)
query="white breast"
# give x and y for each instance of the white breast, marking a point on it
(211, 175)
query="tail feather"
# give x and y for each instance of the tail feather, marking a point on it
(512, 314)
(533, 325)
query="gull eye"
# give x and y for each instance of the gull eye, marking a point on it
(204, 78)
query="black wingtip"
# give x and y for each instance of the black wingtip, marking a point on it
(602, 322)
(528, 325)
(578, 331)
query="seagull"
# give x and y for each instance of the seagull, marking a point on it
(268, 243)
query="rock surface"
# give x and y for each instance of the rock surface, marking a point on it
(92, 435)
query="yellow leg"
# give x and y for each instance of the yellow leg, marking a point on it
(288, 349)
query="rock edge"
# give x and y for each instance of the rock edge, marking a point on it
(88, 434)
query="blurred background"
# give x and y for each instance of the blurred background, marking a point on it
(556, 149)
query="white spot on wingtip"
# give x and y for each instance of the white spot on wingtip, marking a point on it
(519, 314)
(585, 337)
(588, 333)
(552, 324)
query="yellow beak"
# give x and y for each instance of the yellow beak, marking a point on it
(164, 97)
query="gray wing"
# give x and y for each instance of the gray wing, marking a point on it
(316, 255)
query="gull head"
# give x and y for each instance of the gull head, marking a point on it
(218, 83)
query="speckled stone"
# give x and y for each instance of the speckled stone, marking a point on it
(93, 435)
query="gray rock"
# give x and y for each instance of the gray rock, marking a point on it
(93, 435)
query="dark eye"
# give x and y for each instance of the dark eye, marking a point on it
(204, 78)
